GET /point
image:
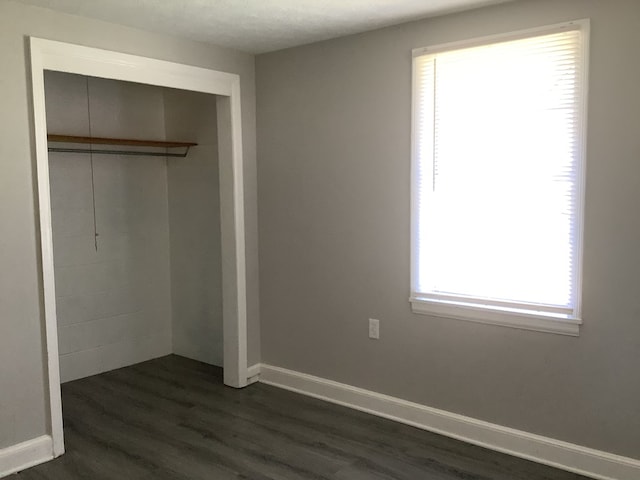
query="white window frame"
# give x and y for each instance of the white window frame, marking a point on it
(485, 312)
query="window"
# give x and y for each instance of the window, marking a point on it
(497, 179)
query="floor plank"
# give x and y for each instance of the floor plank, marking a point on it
(172, 418)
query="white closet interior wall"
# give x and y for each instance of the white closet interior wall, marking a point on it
(194, 219)
(114, 305)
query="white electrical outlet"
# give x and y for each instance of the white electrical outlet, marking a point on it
(374, 328)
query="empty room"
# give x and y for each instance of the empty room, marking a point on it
(359, 239)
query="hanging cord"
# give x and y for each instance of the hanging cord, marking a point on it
(93, 188)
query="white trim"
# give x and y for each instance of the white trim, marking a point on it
(254, 370)
(38, 65)
(548, 451)
(491, 316)
(26, 454)
(63, 57)
(414, 169)
(477, 310)
(449, 298)
(585, 27)
(582, 24)
(253, 373)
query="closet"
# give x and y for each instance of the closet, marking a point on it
(136, 223)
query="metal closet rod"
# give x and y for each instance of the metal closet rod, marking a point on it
(119, 152)
(53, 138)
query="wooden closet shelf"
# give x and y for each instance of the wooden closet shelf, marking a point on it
(117, 141)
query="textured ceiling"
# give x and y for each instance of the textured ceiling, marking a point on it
(258, 26)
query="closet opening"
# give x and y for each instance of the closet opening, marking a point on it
(141, 205)
(136, 226)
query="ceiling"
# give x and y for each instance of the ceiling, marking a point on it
(258, 26)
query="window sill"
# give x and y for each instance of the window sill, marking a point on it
(513, 319)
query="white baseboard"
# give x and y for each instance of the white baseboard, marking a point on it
(253, 373)
(548, 451)
(26, 454)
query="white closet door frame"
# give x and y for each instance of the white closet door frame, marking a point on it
(64, 57)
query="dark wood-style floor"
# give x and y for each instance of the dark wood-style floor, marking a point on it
(172, 418)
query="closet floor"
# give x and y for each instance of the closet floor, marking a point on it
(172, 418)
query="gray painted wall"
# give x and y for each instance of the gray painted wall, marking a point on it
(334, 154)
(113, 304)
(23, 398)
(194, 217)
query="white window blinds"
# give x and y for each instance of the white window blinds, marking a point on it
(497, 174)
